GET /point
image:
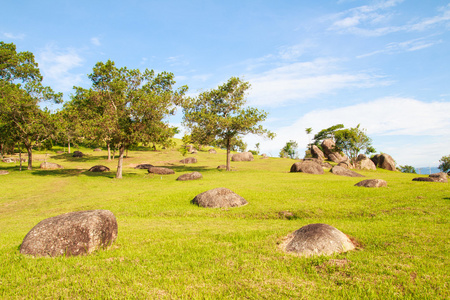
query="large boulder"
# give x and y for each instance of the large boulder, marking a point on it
(341, 171)
(77, 154)
(144, 166)
(307, 166)
(372, 183)
(50, 166)
(190, 176)
(71, 234)
(436, 177)
(329, 149)
(161, 171)
(188, 160)
(4, 172)
(244, 156)
(317, 239)
(362, 162)
(322, 163)
(347, 163)
(317, 153)
(384, 161)
(99, 168)
(219, 197)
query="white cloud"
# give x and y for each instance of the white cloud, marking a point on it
(57, 68)
(12, 36)
(389, 121)
(305, 80)
(95, 41)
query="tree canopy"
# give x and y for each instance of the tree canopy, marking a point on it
(444, 164)
(219, 115)
(125, 106)
(289, 150)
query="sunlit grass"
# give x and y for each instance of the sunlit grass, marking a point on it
(168, 248)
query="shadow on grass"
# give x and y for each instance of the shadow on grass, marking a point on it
(447, 198)
(85, 158)
(72, 173)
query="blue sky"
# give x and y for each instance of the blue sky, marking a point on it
(382, 64)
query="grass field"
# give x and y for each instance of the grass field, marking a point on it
(168, 248)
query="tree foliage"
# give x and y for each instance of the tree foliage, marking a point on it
(289, 150)
(444, 164)
(124, 107)
(218, 116)
(407, 169)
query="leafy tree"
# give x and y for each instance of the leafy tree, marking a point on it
(407, 169)
(21, 119)
(289, 150)
(352, 141)
(125, 106)
(444, 165)
(327, 133)
(219, 115)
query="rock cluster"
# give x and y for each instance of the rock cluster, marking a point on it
(436, 177)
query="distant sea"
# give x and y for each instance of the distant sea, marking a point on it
(427, 170)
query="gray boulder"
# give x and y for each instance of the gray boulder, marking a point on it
(219, 197)
(307, 166)
(71, 234)
(99, 168)
(317, 153)
(436, 177)
(50, 166)
(362, 162)
(190, 176)
(341, 171)
(161, 171)
(384, 161)
(244, 156)
(188, 160)
(318, 239)
(372, 183)
(143, 166)
(329, 149)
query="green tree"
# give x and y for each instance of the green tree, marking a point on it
(328, 133)
(352, 141)
(407, 169)
(444, 164)
(22, 121)
(220, 115)
(289, 150)
(124, 107)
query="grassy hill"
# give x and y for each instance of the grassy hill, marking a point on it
(168, 248)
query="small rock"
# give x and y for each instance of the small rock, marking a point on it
(99, 168)
(188, 160)
(219, 197)
(50, 166)
(77, 154)
(161, 171)
(372, 183)
(144, 166)
(4, 172)
(190, 176)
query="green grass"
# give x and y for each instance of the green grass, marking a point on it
(168, 248)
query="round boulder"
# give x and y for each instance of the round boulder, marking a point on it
(71, 234)
(384, 161)
(318, 239)
(77, 154)
(190, 176)
(307, 166)
(50, 166)
(372, 183)
(143, 166)
(99, 168)
(362, 162)
(212, 151)
(244, 156)
(97, 149)
(341, 171)
(188, 160)
(161, 171)
(219, 197)
(4, 172)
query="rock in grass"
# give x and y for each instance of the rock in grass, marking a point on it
(362, 162)
(372, 183)
(71, 234)
(384, 161)
(4, 172)
(99, 168)
(212, 151)
(244, 156)
(190, 176)
(188, 160)
(219, 197)
(318, 239)
(436, 177)
(143, 166)
(307, 166)
(78, 154)
(161, 171)
(50, 166)
(341, 171)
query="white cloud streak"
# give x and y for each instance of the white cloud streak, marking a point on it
(12, 36)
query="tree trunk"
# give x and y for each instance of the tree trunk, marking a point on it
(109, 151)
(30, 158)
(120, 163)
(1, 150)
(228, 154)
(68, 146)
